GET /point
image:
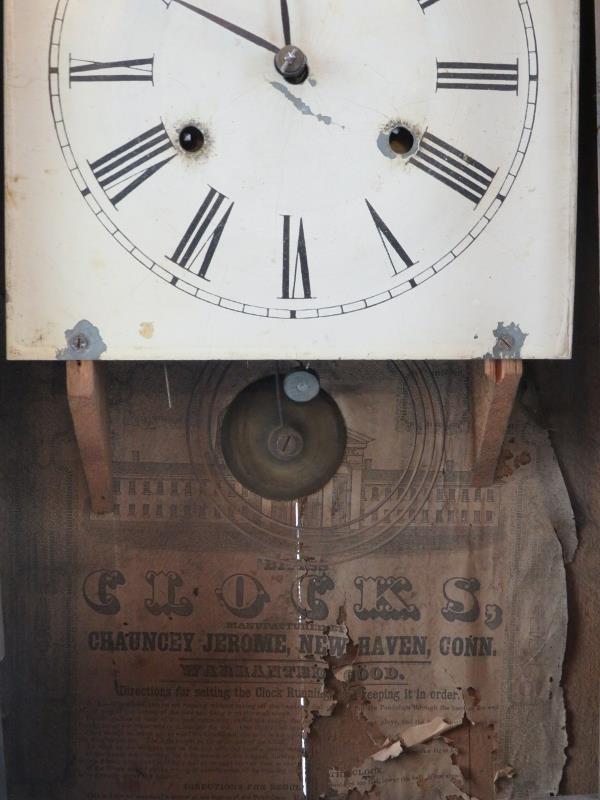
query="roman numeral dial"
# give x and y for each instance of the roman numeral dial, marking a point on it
(136, 69)
(201, 239)
(453, 168)
(397, 255)
(478, 76)
(127, 167)
(302, 199)
(295, 273)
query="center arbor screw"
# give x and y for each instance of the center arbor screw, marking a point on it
(291, 63)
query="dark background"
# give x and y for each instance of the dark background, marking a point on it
(569, 394)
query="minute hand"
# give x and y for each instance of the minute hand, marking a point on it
(251, 37)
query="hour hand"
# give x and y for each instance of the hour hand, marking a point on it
(251, 37)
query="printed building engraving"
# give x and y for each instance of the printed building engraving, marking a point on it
(157, 492)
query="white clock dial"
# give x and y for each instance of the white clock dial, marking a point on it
(294, 160)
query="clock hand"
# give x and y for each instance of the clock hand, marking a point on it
(285, 16)
(290, 62)
(278, 399)
(251, 37)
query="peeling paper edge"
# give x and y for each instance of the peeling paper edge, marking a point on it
(417, 734)
(507, 772)
(557, 501)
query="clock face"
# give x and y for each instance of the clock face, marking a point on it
(294, 160)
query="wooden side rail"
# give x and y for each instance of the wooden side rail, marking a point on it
(89, 410)
(494, 385)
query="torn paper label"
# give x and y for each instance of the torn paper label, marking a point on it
(418, 734)
(176, 656)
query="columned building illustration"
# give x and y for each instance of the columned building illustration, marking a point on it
(159, 492)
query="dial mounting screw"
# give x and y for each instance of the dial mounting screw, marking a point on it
(79, 342)
(506, 342)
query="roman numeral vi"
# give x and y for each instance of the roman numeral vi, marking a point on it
(298, 273)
